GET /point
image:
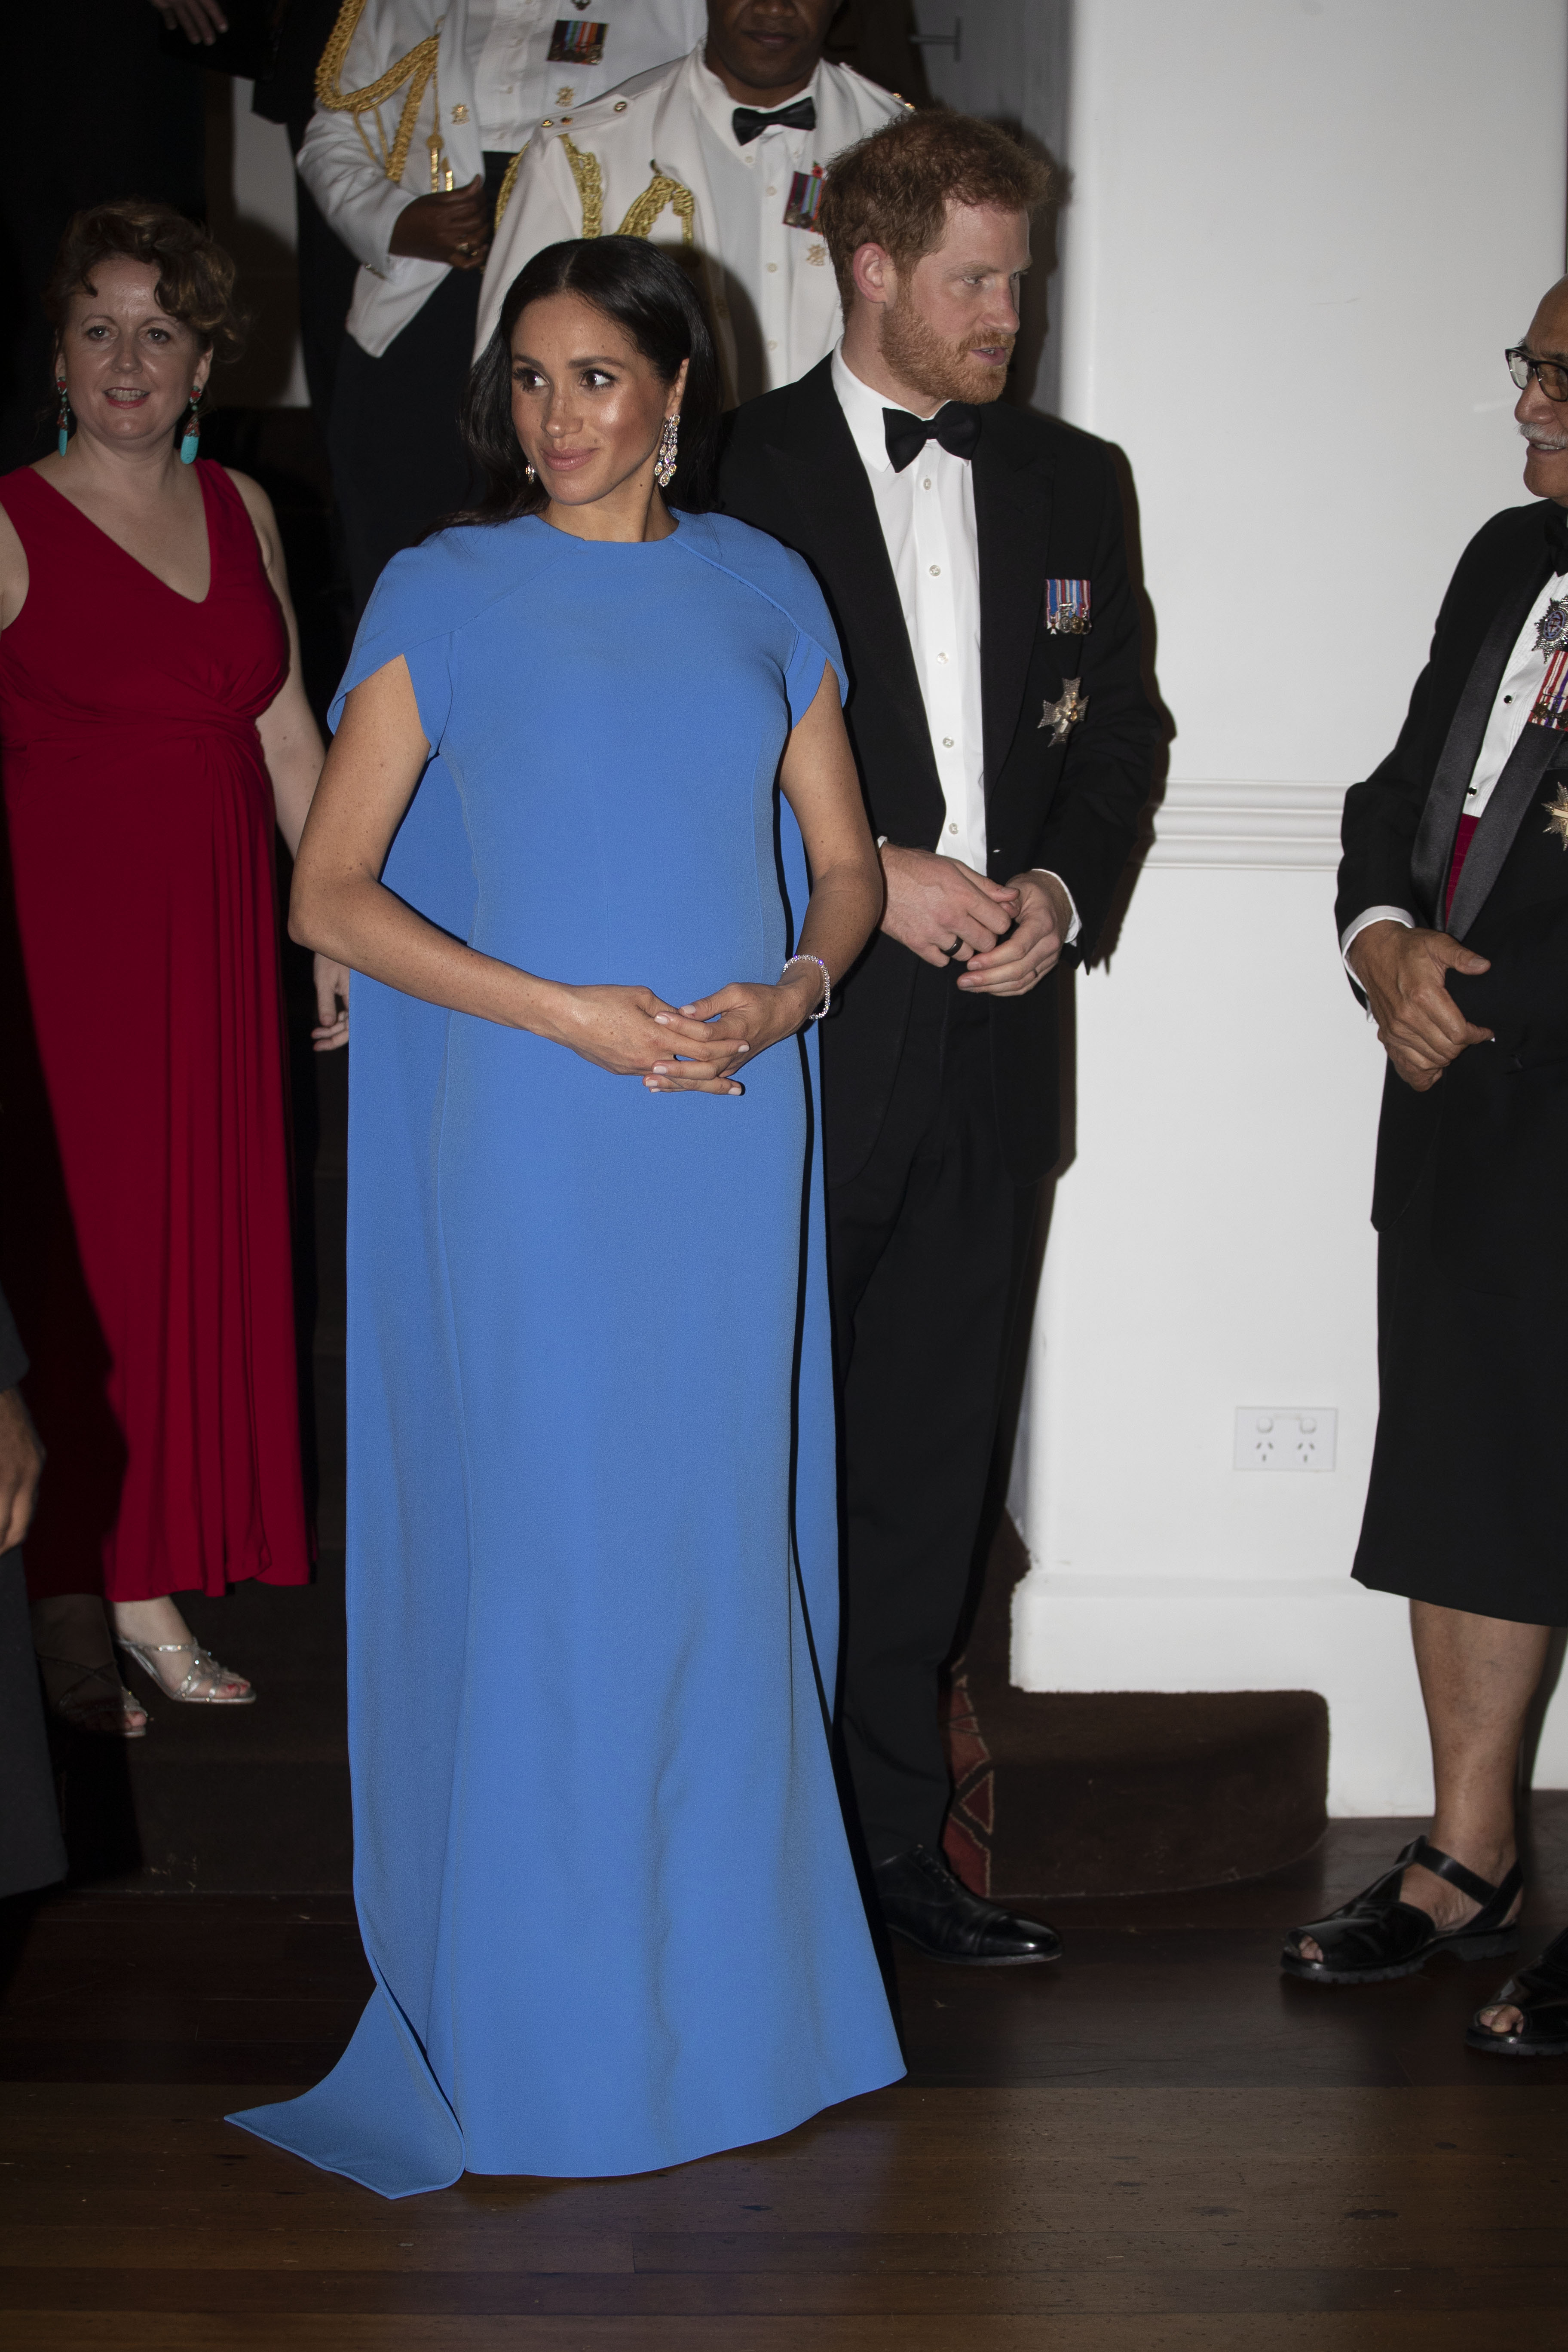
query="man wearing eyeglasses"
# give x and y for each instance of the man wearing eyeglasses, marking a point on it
(1453, 915)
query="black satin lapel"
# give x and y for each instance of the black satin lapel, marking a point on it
(1434, 843)
(841, 533)
(1012, 516)
(1511, 796)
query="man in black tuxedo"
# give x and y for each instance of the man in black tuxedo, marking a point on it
(1453, 917)
(972, 558)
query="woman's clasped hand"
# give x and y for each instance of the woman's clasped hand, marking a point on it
(685, 1049)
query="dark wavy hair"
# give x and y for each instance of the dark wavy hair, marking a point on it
(195, 276)
(648, 294)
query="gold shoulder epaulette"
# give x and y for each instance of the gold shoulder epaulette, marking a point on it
(416, 68)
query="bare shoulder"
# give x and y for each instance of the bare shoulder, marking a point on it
(258, 507)
(12, 571)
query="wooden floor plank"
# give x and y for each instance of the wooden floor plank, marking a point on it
(1316, 2331)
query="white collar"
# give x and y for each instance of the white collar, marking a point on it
(719, 108)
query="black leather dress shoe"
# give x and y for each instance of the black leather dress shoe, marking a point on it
(922, 1902)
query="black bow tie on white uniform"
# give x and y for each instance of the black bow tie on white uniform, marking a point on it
(956, 426)
(750, 124)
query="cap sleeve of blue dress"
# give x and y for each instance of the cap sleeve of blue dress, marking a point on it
(409, 613)
(785, 580)
(815, 646)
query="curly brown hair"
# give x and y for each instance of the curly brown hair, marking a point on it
(893, 189)
(195, 276)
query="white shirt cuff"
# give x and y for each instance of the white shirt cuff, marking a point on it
(1362, 922)
(1077, 923)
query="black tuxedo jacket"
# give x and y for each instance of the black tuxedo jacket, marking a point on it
(1047, 507)
(1496, 1120)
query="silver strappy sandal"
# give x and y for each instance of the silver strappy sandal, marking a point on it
(204, 1666)
(97, 1701)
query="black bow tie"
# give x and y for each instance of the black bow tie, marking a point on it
(1557, 536)
(956, 426)
(749, 124)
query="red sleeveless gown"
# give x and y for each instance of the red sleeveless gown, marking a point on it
(144, 1208)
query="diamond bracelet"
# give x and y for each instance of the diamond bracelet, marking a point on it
(826, 981)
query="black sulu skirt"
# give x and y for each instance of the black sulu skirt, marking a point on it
(1467, 1503)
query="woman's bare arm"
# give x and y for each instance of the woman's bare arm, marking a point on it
(818, 779)
(13, 572)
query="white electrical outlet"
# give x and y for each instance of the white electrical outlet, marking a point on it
(1285, 1436)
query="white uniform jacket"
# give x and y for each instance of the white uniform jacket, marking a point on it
(632, 164)
(364, 164)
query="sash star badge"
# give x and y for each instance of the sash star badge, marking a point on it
(1063, 715)
(1552, 629)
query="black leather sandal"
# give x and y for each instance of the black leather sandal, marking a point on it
(1375, 1936)
(1540, 1993)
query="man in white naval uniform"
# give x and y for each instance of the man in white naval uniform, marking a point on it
(421, 112)
(718, 156)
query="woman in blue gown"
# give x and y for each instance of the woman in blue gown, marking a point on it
(586, 749)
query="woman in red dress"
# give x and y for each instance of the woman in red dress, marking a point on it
(155, 728)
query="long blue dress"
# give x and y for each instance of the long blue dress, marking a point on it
(600, 1867)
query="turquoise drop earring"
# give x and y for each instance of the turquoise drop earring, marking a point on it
(192, 440)
(63, 437)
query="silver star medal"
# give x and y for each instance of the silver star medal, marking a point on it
(1552, 629)
(1062, 716)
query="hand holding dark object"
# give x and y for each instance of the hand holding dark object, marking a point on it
(454, 228)
(1419, 1024)
(200, 20)
(21, 1461)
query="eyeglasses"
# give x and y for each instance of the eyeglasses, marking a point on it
(1549, 375)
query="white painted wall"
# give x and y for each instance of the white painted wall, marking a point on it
(1302, 233)
(250, 200)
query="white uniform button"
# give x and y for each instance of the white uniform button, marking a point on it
(941, 658)
(936, 572)
(953, 828)
(947, 746)
(772, 268)
(773, 192)
(926, 484)
(773, 346)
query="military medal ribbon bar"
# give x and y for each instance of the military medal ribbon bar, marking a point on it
(1552, 702)
(1066, 608)
(804, 199)
(576, 45)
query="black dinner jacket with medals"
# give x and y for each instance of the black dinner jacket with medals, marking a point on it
(1496, 1124)
(1046, 506)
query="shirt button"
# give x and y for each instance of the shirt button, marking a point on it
(1508, 697)
(926, 484)
(773, 192)
(773, 267)
(773, 346)
(941, 657)
(947, 744)
(953, 828)
(936, 572)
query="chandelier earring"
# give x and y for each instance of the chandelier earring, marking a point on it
(191, 439)
(62, 437)
(664, 462)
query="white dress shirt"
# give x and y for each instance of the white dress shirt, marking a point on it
(1516, 696)
(751, 187)
(927, 514)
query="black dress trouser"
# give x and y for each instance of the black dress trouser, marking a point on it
(399, 465)
(927, 1245)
